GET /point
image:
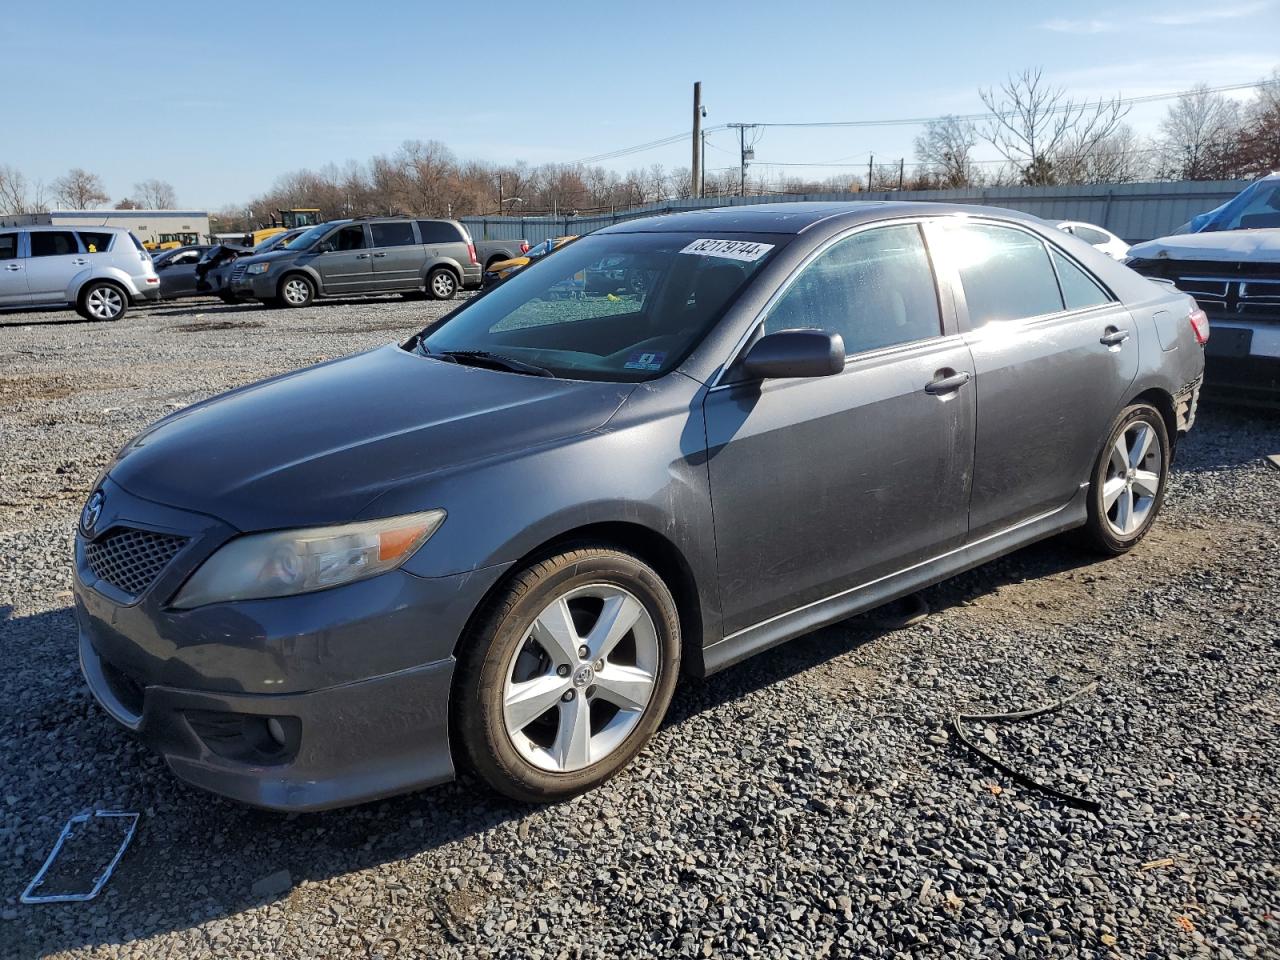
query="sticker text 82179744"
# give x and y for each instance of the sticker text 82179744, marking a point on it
(745, 250)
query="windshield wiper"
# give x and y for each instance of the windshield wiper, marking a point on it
(483, 358)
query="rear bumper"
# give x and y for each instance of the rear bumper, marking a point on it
(356, 742)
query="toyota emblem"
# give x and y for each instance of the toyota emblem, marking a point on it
(91, 512)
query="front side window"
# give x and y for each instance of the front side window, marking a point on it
(439, 231)
(53, 243)
(96, 242)
(397, 233)
(874, 288)
(8, 246)
(614, 306)
(1005, 272)
(348, 238)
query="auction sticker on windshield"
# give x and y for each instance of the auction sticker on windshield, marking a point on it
(745, 250)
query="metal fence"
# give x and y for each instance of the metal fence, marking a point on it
(1134, 211)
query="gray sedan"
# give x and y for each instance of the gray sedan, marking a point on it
(673, 445)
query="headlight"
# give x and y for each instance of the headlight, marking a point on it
(289, 562)
(258, 268)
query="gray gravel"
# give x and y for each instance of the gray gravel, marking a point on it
(807, 803)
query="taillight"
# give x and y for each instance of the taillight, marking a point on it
(524, 246)
(1199, 325)
(471, 252)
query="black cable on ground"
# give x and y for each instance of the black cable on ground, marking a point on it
(959, 719)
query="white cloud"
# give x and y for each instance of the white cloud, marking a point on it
(1175, 18)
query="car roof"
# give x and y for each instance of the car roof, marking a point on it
(83, 227)
(797, 217)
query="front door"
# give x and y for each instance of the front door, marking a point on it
(346, 265)
(1054, 354)
(821, 485)
(397, 256)
(55, 260)
(13, 269)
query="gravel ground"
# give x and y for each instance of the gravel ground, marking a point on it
(807, 803)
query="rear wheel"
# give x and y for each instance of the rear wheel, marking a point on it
(567, 674)
(297, 291)
(442, 284)
(102, 301)
(1128, 484)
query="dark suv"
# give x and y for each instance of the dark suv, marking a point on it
(362, 256)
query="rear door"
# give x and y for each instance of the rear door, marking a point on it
(55, 259)
(1055, 353)
(346, 266)
(178, 274)
(821, 485)
(13, 268)
(398, 258)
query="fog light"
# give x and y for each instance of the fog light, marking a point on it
(276, 730)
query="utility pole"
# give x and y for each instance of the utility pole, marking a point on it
(696, 178)
(743, 155)
(702, 180)
(499, 194)
(871, 160)
(902, 169)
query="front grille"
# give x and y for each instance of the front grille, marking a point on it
(130, 560)
(238, 271)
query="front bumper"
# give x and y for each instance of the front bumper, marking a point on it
(358, 676)
(1242, 361)
(259, 286)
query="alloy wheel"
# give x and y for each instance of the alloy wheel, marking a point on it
(442, 285)
(582, 678)
(1133, 478)
(296, 291)
(104, 303)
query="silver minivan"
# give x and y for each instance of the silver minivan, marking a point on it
(100, 271)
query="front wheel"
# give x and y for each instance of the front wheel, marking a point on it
(297, 291)
(102, 301)
(1129, 478)
(567, 674)
(442, 284)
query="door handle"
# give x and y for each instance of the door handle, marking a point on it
(947, 384)
(1114, 337)
(14, 266)
(376, 255)
(80, 261)
(362, 256)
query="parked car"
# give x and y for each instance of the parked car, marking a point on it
(280, 240)
(1097, 237)
(501, 269)
(489, 252)
(213, 272)
(177, 270)
(1229, 260)
(362, 256)
(99, 271)
(501, 540)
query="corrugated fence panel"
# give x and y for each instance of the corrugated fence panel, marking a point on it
(1134, 211)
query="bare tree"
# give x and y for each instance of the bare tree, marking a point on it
(80, 190)
(1257, 150)
(127, 204)
(155, 195)
(1119, 157)
(1197, 133)
(945, 150)
(13, 191)
(1031, 121)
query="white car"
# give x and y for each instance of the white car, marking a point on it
(1095, 236)
(100, 271)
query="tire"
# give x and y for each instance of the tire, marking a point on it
(539, 756)
(442, 284)
(100, 300)
(296, 290)
(1125, 497)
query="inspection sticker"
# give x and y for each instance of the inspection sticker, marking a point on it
(745, 250)
(645, 361)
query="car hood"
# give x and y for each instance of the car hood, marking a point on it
(1262, 246)
(317, 445)
(269, 256)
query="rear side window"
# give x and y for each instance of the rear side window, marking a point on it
(874, 288)
(395, 234)
(53, 243)
(8, 246)
(439, 231)
(1078, 288)
(96, 242)
(1006, 273)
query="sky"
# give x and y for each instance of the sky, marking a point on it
(221, 100)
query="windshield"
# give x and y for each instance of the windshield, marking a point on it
(1256, 207)
(614, 306)
(303, 241)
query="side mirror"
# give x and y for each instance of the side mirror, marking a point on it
(795, 353)
(325, 246)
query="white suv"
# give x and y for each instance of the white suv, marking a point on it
(99, 270)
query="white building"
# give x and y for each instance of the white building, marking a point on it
(149, 226)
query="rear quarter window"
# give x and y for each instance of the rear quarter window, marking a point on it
(439, 231)
(96, 242)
